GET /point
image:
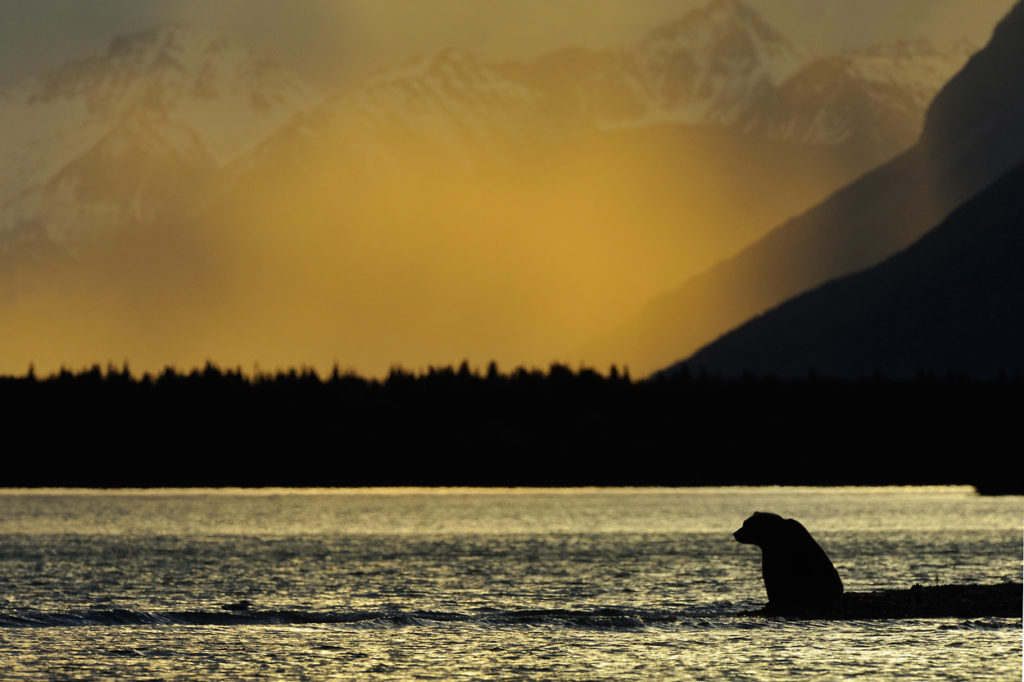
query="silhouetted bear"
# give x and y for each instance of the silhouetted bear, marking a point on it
(798, 575)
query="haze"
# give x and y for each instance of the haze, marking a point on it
(338, 41)
(474, 204)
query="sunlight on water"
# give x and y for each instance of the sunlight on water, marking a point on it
(273, 511)
(588, 583)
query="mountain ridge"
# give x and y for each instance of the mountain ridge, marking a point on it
(876, 215)
(711, 66)
(523, 205)
(172, 96)
(950, 302)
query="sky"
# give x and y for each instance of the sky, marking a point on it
(430, 264)
(333, 42)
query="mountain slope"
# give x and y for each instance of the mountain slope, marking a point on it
(452, 208)
(709, 65)
(119, 138)
(721, 64)
(952, 301)
(974, 133)
(873, 98)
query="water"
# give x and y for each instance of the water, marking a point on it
(507, 584)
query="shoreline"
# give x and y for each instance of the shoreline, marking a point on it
(1002, 600)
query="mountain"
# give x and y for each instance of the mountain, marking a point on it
(146, 129)
(972, 136)
(719, 65)
(950, 302)
(525, 204)
(636, 152)
(873, 98)
(451, 106)
(199, 196)
(123, 137)
(711, 64)
(704, 69)
(723, 65)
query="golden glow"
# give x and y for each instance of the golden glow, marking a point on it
(314, 260)
(316, 263)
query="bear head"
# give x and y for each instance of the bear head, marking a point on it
(761, 529)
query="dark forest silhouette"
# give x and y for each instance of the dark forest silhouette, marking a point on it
(449, 426)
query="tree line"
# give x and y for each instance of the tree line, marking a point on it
(464, 426)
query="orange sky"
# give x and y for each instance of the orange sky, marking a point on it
(522, 264)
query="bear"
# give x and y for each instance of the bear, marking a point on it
(798, 575)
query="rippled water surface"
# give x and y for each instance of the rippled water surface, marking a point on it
(412, 583)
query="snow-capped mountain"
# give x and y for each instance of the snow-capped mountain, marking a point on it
(718, 65)
(711, 64)
(456, 95)
(448, 106)
(724, 65)
(178, 178)
(115, 138)
(703, 69)
(151, 126)
(875, 97)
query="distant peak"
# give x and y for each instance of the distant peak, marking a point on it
(447, 60)
(713, 18)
